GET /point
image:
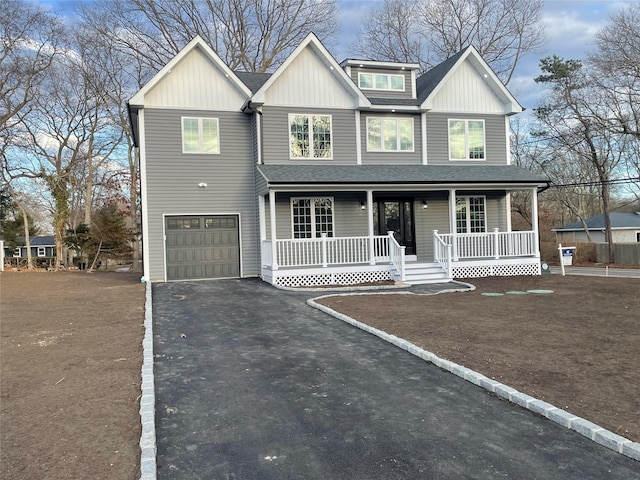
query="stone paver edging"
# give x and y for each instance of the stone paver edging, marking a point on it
(588, 429)
(148, 398)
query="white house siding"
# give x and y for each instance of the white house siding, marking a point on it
(195, 83)
(438, 139)
(414, 157)
(275, 135)
(309, 81)
(467, 91)
(173, 178)
(384, 93)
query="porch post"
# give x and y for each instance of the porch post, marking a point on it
(263, 219)
(372, 253)
(272, 219)
(452, 222)
(534, 221)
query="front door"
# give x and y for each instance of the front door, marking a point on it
(396, 216)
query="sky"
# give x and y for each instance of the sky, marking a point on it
(570, 26)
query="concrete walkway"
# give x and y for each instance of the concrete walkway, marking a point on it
(251, 383)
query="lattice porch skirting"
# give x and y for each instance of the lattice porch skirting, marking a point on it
(328, 276)
(495, 269)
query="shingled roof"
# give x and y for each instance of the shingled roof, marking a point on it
(398, 174)
(618, 221)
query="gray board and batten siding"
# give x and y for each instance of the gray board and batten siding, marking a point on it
(172, 180)
(275, 134)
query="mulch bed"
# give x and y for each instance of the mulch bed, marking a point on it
(577, 348)
(70, 352)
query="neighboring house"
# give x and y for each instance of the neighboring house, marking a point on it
(625, 228)
(42, 246)
(327, 173)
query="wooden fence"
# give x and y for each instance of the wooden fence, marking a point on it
(624, 253)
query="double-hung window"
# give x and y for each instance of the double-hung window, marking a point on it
(42, 252)
(311, 217)
(200, 135)
(381, 81)
(470, 215)
(386, 134)
(466, 140)
(310, 136)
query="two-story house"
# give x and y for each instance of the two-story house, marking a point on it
(325, 173)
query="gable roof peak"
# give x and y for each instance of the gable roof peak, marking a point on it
(196, 43)
(312, 41)
(432, 81)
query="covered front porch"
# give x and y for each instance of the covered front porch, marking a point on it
(355, 260)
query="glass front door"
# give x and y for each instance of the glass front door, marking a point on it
(396, 216)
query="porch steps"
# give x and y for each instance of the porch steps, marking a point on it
(419, 273)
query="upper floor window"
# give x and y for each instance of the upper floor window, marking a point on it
(200, 135)
(466, 140)
(311, 217)
(381, 81)
(310, 136)
(386, 134)
(470, 215)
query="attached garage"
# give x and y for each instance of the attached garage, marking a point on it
(199, 247)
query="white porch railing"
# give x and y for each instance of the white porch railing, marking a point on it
(442, 252)
(396, 255)
(494, 244)
(325, 251)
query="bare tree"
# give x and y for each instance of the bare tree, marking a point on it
(31, 38)
(429, 32)
(252, 35)
(571, 113)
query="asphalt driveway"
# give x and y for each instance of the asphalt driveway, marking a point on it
(251, 383)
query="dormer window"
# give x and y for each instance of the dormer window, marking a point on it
(381, 81)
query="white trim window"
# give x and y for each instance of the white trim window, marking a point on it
(311, 217)
(471, 214)
(200, 135)
(388, 134)
(381, 81)
(466, 139)
(17, 252)
(310, 136)
(42, 251)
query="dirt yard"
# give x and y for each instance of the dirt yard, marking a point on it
(577, 348)
(70, 352)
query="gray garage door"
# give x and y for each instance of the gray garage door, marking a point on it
(202, 247)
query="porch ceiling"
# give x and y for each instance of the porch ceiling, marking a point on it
(381, 177)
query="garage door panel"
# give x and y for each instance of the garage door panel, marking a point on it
(202, 247)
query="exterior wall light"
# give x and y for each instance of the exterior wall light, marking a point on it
(363, 206)
(425, 204)
(202, 185)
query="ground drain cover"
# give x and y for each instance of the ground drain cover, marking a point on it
(540, 291)
(489, 294)
(516, 292)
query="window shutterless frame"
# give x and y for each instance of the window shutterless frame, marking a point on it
(471, 214)
(310, 136)
(390, 134)
(467, 139)
(312, 216)
(381, 81)
(200, 135)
